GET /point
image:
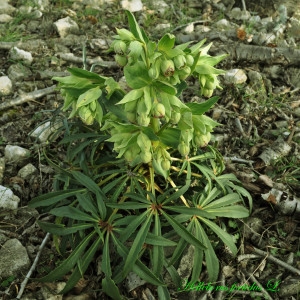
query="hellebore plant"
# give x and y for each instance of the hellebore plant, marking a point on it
(140, 177)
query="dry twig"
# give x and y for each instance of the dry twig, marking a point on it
(27, 97)
(24, 282)
(275, 260)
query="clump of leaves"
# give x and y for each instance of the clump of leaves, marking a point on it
(139, 175)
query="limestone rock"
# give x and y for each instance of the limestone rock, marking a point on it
(5, 86)
(235, 76)
(18, 54)
(66, 26)
(20, 262)
(8, 200)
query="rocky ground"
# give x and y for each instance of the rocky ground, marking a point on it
(259, 108)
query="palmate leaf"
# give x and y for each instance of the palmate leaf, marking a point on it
(137, 245)
(86, 202)
(191, 211)
(182, 232)
(105, 263)
(224, 236)
(60, 229)
(163, 293)
(72, 213)
(164, 199)
(230, 211)
(181, 246)
(153, 239)
(224, 201)
(85, 261)
(157, 251)
(198, 254)
(212, 262)
(53, 197)
(139, 268)
(69, 262)
(93, 187)
(131, 227)
(110, 288)
(128, 205)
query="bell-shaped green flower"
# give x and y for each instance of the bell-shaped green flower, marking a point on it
(121, 60)
(158, 110)
(120, 47)
(167, 67)
(143, 120)
(179, 61)
(183, 148)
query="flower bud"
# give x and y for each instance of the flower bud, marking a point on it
(183, 149)
(86, 115)
(179, 61)
(184, 73)
(207, 93)
(202, 140)
(159, 110)
(165, 164)
(120, 48)
(153, 73)
(143, 141)
(210, 83)
(125, 34)
(131, 153)
(143, 120)
(146, 157)
(93, 105)
(175, 117)
(121, 60)
(189, 60)
(167, 68)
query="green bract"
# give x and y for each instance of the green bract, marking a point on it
(140, 175)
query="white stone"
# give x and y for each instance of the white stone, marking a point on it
(222, 24)
(17, 72)
(4, 18)
(238, 14)
(13, 259)
(160, 6)
(235, 76)
(42, 4)
(5, 86)
(66, 26)
(15, 153)
(27, 171)
(132, 5)
(18, 54)
(99, 43)
(162, 26)
(6, 8)
(43, 132)
(7, 199)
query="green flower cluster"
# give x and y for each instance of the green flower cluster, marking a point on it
(156, 73)
(149, 122)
